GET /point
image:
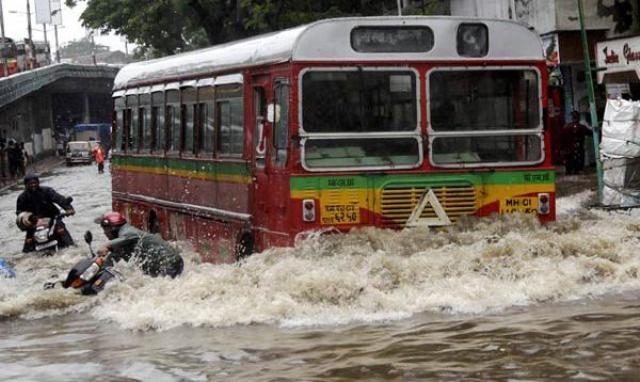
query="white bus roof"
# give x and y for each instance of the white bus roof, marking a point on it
(330, 40)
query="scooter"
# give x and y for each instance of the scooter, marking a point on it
(89, 275)
(50, 236)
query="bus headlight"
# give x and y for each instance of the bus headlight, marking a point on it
(544, 204)
(309, 210)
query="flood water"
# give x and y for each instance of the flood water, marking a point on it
(500, 298)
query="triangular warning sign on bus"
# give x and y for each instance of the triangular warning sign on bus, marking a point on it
(428, 198)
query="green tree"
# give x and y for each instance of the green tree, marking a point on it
(166, 26)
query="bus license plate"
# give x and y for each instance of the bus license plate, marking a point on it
(526, 204)
(340, 214)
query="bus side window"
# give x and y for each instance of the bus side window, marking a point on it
(230, 127)
(280, 137)
(230, 120)
(145, 122)
(187, 116)
(142, 128)
(127, 130)
(157, 122)
(153, 128)
(172, 120)
(168, 126)
(119, 128)
(180, 131)
(205, 121)
(134, 131)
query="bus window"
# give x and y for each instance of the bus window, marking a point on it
(493, 149)
(494, 99)
(168, 127)
(188, 128)
(145, 122)
(188, 110)
(205, 120)
(153, 127)
(281, 126)
(157, 99)
(132, 139)
(472, 40)
(208, 129)
(360, 153)
(127, 130)
(173, 120)
(357, 102)
(120, 115)
(231, 127)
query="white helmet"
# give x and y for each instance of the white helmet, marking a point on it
(25, 221)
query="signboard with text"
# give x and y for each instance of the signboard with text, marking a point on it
(43, 12)
(615, 56)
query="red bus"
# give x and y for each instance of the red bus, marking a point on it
(8, 56)
(389, 122)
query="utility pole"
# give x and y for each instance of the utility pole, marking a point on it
(31, 44)
(93, 47)
(5, 67)
(55, 34)
(399, 7)
(595, 126)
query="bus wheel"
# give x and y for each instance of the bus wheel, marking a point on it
(153, 226)
(244, 246)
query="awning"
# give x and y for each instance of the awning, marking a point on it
(626, 77)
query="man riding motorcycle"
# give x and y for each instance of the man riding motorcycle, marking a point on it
(38, 202)
(154, 255)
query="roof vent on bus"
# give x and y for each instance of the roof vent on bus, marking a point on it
(473, 40)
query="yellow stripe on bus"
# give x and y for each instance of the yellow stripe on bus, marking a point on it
(185, 174)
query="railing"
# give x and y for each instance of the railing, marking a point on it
(19, 85)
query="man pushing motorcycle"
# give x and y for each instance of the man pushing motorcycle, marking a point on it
(154, 255)
(37, 202)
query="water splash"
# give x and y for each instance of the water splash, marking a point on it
(474, 267)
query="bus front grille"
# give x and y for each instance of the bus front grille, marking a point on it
(399, 201)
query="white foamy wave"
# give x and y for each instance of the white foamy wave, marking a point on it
(477, 266)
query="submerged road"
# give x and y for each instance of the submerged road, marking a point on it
(493, 299)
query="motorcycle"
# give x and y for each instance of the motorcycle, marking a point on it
(90, 275)
(50, 236)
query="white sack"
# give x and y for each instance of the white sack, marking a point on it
(619, 148)
(621, 110)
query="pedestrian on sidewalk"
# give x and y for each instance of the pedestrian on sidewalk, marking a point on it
(14, 156)
(574, 134)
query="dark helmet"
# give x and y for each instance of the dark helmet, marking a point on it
(112, 219)
(30, 177)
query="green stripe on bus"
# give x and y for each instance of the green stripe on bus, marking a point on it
(176, 164)
(301, 183)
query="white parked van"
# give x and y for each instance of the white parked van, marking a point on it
(78, 152)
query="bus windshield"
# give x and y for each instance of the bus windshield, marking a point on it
(485, 117)
(484, 100)
(352, 104)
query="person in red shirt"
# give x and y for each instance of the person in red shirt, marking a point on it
(573, 134)
(99, 157)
